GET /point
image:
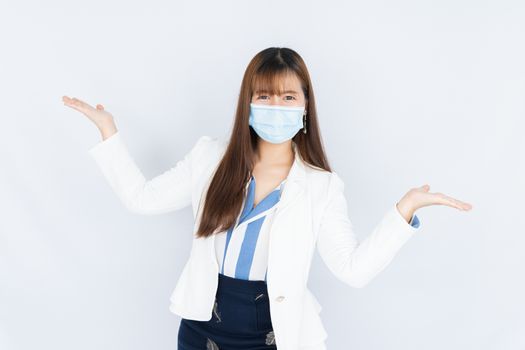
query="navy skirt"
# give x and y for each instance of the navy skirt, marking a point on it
(240, 319)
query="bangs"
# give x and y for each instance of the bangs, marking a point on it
(270, 81)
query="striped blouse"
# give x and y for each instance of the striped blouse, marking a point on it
(242, 251)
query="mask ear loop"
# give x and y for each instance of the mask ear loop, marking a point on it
(304, 123)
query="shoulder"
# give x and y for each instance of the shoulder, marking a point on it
(323, 184)
(206, 153)
(324, 178)
(206, 141)
(207, 145)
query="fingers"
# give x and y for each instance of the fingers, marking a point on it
(452, 202)
(440, 198)
(425, 188)
(77, 104)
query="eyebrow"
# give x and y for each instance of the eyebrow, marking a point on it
(284, 92)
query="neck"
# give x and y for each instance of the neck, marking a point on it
(274, 154)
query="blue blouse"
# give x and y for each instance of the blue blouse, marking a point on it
(242, 252)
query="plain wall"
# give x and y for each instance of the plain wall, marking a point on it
(408, 93)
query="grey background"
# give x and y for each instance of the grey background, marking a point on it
(408, 93)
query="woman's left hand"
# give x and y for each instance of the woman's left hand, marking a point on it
(420, 197)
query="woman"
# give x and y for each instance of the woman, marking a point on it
(262, 202)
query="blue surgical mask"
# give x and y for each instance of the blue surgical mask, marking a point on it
(276, 124)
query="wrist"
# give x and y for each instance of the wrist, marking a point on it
(107, 130)
(406, 210)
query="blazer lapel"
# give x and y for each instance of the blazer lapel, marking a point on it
(295, 181)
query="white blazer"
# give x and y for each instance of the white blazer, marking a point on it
(311, 214)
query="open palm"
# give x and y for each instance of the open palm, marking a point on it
(420, 197)
(97, 114)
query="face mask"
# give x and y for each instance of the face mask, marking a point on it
(276, 124)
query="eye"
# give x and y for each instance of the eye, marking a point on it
(260, 97)
(292, 97)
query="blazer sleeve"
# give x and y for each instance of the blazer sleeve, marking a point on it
(166, 192)
(357, 263)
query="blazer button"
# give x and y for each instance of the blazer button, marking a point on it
(279, 298)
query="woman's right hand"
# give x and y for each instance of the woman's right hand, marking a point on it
(100, 117)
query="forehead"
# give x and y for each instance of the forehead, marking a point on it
(276, 83)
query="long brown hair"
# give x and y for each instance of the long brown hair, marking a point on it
(227, 188)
